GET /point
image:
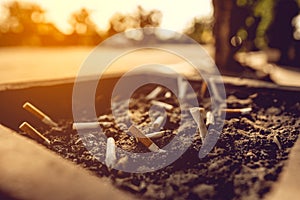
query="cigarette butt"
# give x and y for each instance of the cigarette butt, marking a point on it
(33, 133)
(210, 118)
(39, 114)
(162, 104)
(156, 135)
(158, 122)
(197, 114)
(110, 157)
(182, 87)
(242, 111)
(85, 125)
(147, 142)
(154, 93)
(168, 95)
(203, 90)
(78, 140)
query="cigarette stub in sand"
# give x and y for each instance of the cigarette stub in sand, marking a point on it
(110, 157)
(147, 142)
(197, 114)
(154, 93)
(182, 87)
(158, 122)
(242, 111)
(210, 118)
(39, 114)
(155, 135)
(168, 94)
(162, 104)
(85, 125)
(33, 133)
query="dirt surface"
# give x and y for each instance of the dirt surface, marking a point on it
(246, 161)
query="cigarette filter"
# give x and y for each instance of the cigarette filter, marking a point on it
(197, 114)
(147, 142)
(110, 158)
(158, 122)
(210, 118)
(85, 125)
(155, 135)
(33, 133)
(154, 93)
(39, 114)
(162, 104)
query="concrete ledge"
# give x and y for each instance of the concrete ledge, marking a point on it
(288, 185)
(30, 171)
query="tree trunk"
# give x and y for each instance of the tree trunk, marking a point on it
(222, 15)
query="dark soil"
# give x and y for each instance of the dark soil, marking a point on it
(246, 161)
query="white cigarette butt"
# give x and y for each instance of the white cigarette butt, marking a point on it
(158, 122)
(210, 118)
(110, 157)
(162, 104)
(33, 133)
(197, 114)
(155, 135)
(85, 125)
(154, 93)
(39, 114)
(168, 95)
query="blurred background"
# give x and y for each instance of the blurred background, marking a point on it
(46, 39)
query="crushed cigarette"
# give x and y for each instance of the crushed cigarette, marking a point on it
(182, 87)
(162, 104)
(110, 157)
(210, 120)
(39, 114)
(146, 141)
(197, 114)
(154, 93)
(33, 133)
(158, 122)
(156, 135)
(241, 111)
(203, 90)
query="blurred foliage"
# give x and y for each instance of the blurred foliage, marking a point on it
(200, 30)
(141, 18)
(24, 24)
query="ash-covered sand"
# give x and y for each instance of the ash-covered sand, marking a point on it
(246, 161)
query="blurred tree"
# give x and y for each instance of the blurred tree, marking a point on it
(201, 30)
(25, 25)
(141, 18)
(84, 29)
(240, 23)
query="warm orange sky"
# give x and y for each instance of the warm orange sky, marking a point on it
(176, 13)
